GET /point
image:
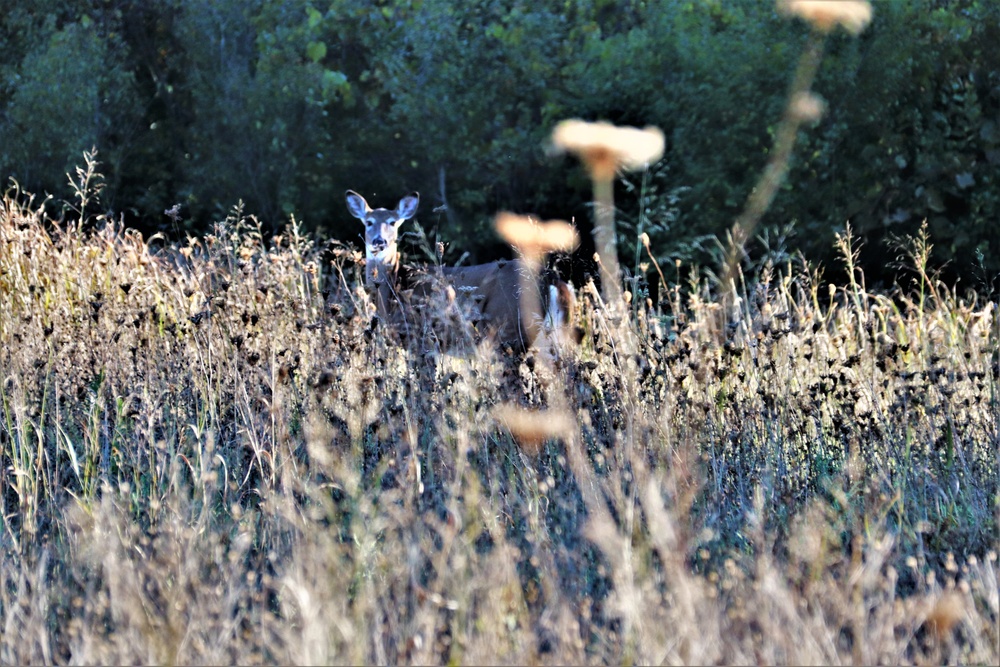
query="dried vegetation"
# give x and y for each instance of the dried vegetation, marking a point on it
(211, 454)
(214, 453)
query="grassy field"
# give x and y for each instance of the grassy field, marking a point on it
(211, 454)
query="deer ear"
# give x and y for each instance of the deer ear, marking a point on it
(357, 205)
(407, 207)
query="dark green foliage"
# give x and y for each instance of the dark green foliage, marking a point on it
(285, 105)
(71, 90)
(911, 134)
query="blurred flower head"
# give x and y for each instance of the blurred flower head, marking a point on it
(604, 148)
(807, 107)
(825, 15)
(945, 613)
(531, 428)
(534, 238)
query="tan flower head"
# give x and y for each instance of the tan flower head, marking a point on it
(605, 148)
(946, 612)
(825, 15)
(807, 107)
(535, 238)
(531, 428)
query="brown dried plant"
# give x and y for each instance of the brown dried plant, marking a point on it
(210, 454)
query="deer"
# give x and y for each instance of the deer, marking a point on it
(503, 297)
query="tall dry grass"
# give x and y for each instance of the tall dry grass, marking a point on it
(211, 454)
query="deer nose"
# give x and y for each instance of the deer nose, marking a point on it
(378, 244)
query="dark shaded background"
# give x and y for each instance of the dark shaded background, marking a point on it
(284, 105)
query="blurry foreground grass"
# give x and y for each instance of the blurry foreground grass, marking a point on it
(210, 455)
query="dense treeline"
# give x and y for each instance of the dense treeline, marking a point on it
(284, 105)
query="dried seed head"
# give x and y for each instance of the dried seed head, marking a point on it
(946, 613)
(534, 238)
(825, 15)
(807, 107)
(605, 148)
(531, 428)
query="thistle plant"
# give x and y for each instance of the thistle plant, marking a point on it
(604, 149)
(802, 107)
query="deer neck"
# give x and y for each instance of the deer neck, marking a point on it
(382, 276)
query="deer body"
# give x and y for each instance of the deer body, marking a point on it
(500, 299)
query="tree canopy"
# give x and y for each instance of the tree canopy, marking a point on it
(284, 105)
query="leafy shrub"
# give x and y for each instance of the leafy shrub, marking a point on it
(72, 91)
(284, 107)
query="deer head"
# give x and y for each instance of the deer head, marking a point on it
(382, 225)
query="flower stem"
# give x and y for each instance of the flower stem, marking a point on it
(777, 167)
(606, 243)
